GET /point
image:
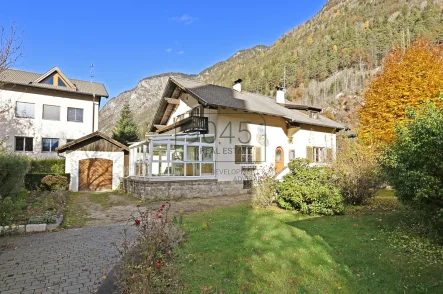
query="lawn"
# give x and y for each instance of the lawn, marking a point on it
(370, 250)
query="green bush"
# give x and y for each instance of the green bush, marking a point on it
(13, 169)
(264, 193)
(34, 181)
(48, 166)
(309, 189)
(55, 182)
(356, 171)
(413, 163)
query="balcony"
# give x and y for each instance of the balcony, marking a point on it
(191, 121)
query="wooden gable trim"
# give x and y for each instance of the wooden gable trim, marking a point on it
(89, 139)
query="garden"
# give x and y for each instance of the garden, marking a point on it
(32, 191)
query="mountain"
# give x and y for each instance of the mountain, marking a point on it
(327, 61)
(143, 101)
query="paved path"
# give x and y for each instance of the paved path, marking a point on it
(70, 261)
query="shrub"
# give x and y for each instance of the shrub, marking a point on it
(47, 166)
(413, 163)
(13, 169)
(146, 265)
(47, 218)
(57, 182)
(356, 171)
(34, 181)
(265, 188)
(309, 189)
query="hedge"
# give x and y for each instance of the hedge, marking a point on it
(13, 169)
(33, 181)
(49, 166)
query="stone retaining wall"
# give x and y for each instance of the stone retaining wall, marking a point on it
(146, 189)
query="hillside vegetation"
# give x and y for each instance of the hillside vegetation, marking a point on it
(329, 59)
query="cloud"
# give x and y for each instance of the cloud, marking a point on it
(185, 18)
(169, 50)
(181, 52)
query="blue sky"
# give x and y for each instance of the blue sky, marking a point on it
(129, 40)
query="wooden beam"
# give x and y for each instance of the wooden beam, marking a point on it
(159, 126)
(172, 100)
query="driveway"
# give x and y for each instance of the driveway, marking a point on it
(69, 261)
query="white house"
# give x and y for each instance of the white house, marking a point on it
(208, 140)
(39, 112)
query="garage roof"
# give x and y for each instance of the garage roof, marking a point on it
(89, 139)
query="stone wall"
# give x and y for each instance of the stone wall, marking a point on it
(146, 189)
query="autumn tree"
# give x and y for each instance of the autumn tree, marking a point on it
(409, 77)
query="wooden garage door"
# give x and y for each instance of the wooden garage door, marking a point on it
(95, 174)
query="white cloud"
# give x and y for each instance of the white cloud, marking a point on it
(181, 52)
(185, 18)
(169, 50)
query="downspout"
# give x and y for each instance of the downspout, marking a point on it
(93, 112)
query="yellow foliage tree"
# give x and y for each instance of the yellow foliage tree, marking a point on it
(408, 78)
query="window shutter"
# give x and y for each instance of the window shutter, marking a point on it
(329, 155)
(257, 154)
(237, 154)
(310, 153)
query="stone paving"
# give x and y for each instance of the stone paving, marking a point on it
(69, 261)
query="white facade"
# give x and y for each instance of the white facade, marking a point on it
(72, 159)
(234, 129)
(38, 128)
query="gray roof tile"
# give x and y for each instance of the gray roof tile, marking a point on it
(27, 78)
(218, 96)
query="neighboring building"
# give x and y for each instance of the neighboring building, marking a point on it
(39, 112)
(205, 133)
(95, 162)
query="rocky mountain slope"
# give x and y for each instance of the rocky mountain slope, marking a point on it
(328, 60)
(143, 100)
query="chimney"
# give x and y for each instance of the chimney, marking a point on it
(280, 97)
(237, 85)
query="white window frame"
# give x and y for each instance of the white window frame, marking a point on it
(50, 145)
(24, 144)
(319, 154)
(75, 114)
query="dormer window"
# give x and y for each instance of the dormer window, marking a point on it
(55, 80)
(313, 114)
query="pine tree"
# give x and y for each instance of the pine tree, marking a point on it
(126, 129)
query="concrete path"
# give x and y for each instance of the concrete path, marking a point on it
(70, 261)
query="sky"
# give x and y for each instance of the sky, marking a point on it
(130, 40)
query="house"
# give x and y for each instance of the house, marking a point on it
(39, 112)
(95, 162)
(206, 140)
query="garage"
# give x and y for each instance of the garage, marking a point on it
(95, 162)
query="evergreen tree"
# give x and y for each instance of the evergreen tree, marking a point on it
(126, 129)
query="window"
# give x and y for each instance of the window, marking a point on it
(75, 114)
(51, 112)
(316, 154)
(49, 144)
(49, 81)
(23, 109)
(291, 154)
(55, 80)
(247, 154)
(61, 83)
(24, 144)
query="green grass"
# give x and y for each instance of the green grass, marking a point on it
(76, 215)
(240, 249)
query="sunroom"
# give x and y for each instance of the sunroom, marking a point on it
(173, 156)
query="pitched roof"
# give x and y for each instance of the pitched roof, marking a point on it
(88, 139)
(25, 78)
(217, 96)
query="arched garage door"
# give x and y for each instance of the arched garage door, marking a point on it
(95, 174)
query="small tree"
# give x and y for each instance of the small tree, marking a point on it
(126, 129)
(356, 171)
(413, 163)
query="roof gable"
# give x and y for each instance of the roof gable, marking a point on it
(88, 139)
(51, 73)
(216, 96)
